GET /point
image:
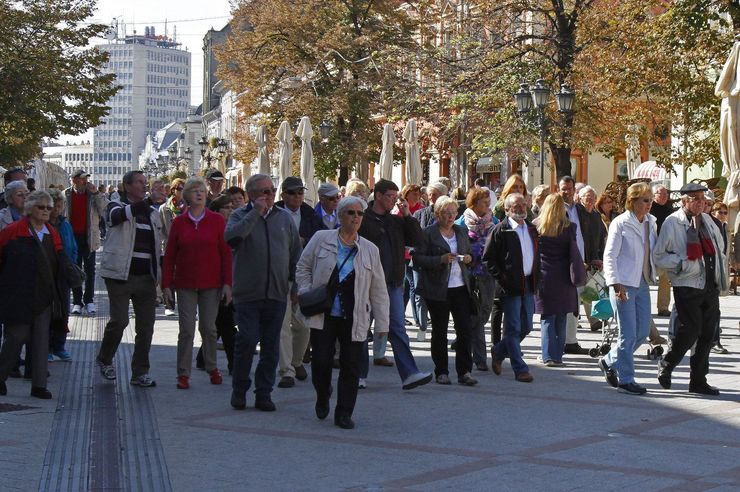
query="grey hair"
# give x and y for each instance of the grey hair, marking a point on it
(191, 184)
(36, 198)
(658, 186)
(510, 199)
(438, 186)
(443, 202)
(14, 186)
(251, 185)
(586, 189)
(57, 195)
(348, 201)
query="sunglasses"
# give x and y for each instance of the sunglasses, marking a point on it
(646, 200)
(45, 207)
(294, 192)
(331, 198)
(179, 188)
(267, 191)
(358, 213)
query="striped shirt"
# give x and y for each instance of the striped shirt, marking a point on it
(141, 259)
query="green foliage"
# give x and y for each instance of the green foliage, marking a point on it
(52, 83)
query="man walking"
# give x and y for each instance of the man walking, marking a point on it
(512, 256)
(326, 210)
(294, 334)
(130, 268)
(689, 249)
(391, 234)
(661, 209)
(84, 207)
(266, 250)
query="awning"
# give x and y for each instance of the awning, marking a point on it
(650, 170)
(488, 164)
(232, 173)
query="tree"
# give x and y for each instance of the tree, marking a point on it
(52, 83)
(346, 61)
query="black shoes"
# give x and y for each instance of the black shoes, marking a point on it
(300, 373)
(238, 400)
(39, 392)
(703, 389)
(632, 389)
(286, 382)
(322, 407)
(264, 404)
(664, 374)
(575, 349)
(609, 374)
(3, 388)
(344, 421)
(597, 326)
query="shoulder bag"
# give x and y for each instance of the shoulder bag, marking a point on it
(320, 299)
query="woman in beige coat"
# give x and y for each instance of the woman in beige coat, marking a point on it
(361, 290)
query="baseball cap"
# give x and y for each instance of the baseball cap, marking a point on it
(328, 190)
(215, 174)
(80, 173)
(292, 183)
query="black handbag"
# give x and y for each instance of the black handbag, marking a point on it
(319, 300)
(73, 274)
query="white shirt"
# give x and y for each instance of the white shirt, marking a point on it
(456, 276)
(330, 220)
(525, 242)
(573, 218)
(40, 234)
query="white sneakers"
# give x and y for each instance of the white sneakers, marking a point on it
(168, 312)
(90, 308)
(76, 309)
(415, 380)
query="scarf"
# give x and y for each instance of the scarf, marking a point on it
(175, 208)
(698, 240)
(478, 229)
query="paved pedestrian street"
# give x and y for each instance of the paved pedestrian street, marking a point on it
(565, 431)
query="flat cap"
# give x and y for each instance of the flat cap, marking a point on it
(693, 188)
(292, 183)
(328, 189)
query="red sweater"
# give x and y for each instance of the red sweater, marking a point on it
(78, 213)
(197, 258)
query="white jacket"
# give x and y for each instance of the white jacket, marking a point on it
(670, 253)
(625, 250)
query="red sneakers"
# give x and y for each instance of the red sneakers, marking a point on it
(183, 382)
(216, 377)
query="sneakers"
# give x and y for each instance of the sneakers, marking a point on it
(415, 380)
(63, 355)
(609, 375)
(145, 381)
(183, 382)
(719, 349)
(90, 308)
(632, 389)
(169, 312)
(107, 371)
(443, 379)
(216, 377)
(421, 336)
(467, 380)
(76, 309)
(362, 384)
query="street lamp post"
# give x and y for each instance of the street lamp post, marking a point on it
(205, 152)
(539, 97)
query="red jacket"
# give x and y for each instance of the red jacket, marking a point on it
(197, 258)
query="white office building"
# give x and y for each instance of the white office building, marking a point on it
(154, 74)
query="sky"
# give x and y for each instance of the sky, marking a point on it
(193, 19)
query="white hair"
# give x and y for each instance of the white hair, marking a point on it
(348, 201)
(585, 190)
(438, 187)
(510, 199)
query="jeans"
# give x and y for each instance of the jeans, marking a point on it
(142, 292)
(418, 305)
(518, 312)
(86, 261)
(486, 285)
(457, 304)
(350, 361)
(397, 334)
(633, 318)
(258, 322)
(553, 336)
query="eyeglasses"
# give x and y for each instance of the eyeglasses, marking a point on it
(358, 213)
(179, 188)
(294, 192)
(722, 212)
(44, 207)
(331, 198)
(447, 213)
(267, 191)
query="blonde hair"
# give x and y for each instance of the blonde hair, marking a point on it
(444, 202)
(553, 219)
(356, 186)
(514, 179)
(191, 184)
(634, 192)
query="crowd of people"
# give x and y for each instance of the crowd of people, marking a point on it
(320, 283)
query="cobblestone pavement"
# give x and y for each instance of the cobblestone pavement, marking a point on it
(566, 431)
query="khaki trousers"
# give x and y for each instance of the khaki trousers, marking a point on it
(664, 292)
(294, 338)
(205, 303)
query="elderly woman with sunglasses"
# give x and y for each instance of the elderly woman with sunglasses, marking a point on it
(197, 264)
(361, 289)
(15, 194)
(31, 283)
(629, 270)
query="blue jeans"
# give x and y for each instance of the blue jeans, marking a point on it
(86, 261)
(633, 318)
(518, 312)
(418, 304)
(258, 322)
(553, 336)
(397, 334)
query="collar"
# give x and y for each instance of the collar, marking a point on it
(323, 212)
(196, 219)
(514, 224)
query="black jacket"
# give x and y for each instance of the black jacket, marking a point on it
(503, 258)
(309, 225)
(433, 275)
(392, 231)
(594, 234)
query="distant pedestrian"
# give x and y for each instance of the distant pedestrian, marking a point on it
(15, 194)
(60, 327)
(216, 181)
(12, 174)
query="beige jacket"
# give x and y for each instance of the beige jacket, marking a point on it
(96, 205)
(318, 261)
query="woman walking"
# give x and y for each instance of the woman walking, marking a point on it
(444, 283)
(197, 265)
(354, 262)
(628, 270)
(556, 295)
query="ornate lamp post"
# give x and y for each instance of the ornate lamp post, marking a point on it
(205, 151)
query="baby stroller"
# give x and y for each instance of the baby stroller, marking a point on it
(597, 292)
